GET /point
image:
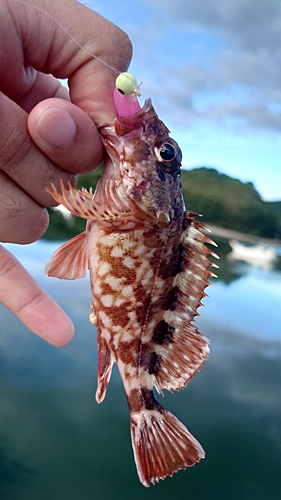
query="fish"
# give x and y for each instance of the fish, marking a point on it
(149, 263)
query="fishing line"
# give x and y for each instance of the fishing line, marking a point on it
(69, 34)
(126, 89)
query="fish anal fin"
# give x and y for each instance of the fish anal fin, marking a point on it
(105, 364)
(162, 445)
(70, 261)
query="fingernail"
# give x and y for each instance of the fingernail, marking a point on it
(56, 127)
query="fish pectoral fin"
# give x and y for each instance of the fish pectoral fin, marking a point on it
(105, 364)
(70, 261)
(162, 445)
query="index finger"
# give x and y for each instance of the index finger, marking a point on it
(20, 293)
(41, 35)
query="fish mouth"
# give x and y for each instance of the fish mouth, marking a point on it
(126, 124)
(131, 188)
(123, 125)
(129, 123)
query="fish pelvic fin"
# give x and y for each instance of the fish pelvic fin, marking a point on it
(82, 203)
(79, 202)
(70, 261)
(162, 445)
(105, 364)
(114, 210)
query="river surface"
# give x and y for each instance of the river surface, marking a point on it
(57, 443)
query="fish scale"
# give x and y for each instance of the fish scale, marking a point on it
(149, 267)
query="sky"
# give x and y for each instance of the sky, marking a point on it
(213, 71)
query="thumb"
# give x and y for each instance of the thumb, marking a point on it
(66, 134)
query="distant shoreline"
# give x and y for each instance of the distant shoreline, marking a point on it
(237, 235)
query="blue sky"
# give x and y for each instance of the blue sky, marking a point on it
(213, 71)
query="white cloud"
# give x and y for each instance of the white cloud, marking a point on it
(246, 62)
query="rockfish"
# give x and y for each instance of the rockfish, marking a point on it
(149, 266)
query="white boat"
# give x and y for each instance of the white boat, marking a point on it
(258, 255)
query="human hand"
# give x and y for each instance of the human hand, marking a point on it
(43, 136)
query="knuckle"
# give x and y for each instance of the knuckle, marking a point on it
(15, 146)
(19, 225)
(7, 262)
(37, 230)
(31, 302)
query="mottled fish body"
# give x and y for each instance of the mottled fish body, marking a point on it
(149, 266)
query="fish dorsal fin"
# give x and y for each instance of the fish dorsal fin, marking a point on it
(180, 348)
(70, 261)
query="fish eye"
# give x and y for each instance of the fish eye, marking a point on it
(168, 153)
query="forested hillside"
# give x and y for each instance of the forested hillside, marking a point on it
(230, 203)
(222, 200)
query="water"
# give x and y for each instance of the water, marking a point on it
(56, 443)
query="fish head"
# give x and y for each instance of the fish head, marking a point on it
(145, 164)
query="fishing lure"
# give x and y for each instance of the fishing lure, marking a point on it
(125, 94)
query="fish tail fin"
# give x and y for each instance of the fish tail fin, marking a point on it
(162, 445)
